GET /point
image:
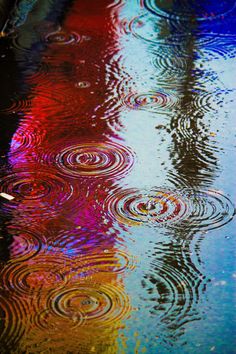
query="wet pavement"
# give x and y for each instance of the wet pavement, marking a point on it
(117, 187)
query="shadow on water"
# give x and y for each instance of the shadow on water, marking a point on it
(174, 284)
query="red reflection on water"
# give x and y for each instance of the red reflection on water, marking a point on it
(65, 161)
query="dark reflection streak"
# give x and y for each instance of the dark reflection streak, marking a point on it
(191, 165)
(6, 6)
(9, 124)
(178, 285)
(174, 276)
(12, 78)
(12, 81)
(9, 85)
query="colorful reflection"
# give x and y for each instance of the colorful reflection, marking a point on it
(64, 264)
(111, 175)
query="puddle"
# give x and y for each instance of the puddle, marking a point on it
(117, 177)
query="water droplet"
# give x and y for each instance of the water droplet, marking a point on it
(82, 84)
(61, 37)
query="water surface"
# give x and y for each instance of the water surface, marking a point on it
(117, 177)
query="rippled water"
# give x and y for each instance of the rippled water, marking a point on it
(117, 191)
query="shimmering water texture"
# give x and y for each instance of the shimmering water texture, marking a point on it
(117, 211)
(196, 209)
(95, 159)
(190, 10)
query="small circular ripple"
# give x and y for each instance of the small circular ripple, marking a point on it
(37, 276)
(94, 159)
(61, 37)
(155, 207)
(92, 305)
(36, 190)
(151, 101)
(25, 244)
(82, 84)
(186, 208)
(186, 10)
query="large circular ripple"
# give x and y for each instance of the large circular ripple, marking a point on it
(154, 207)
(84, 304)
(186, 10)
(95, 159)
(146, 28)
(35, 190)
(186, 208)
(173, 37)
(208, 209)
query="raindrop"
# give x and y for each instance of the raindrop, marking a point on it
(61, 37)
(82, 84)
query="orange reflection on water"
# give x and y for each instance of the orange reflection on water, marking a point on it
(64, 163)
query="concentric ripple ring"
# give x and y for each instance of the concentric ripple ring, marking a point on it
(157, 206)
(185, 208)
(62, 38)
(94, 159)
(150, 101)
(91, 305)
(35, 186)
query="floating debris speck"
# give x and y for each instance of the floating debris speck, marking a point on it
(6, 196)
